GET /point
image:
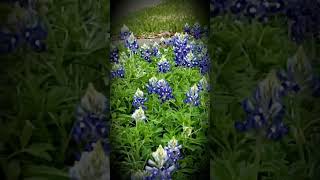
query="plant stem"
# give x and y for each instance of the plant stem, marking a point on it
(258, 152)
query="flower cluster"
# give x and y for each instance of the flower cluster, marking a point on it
(193, 96)
(139, 99)
(164, 90)
(203, 84)
(152, 85)
(163, 65)
(265, 110)
(114, 55)
(181, 49)
(91, 125)
(160, 87)
(118, 71)
(139, 115)
(23, 27)
(125, 32)
(146, 53)
(92, 165)
(165, 161)
(302, 15)
(304, 19)
(155, 50)
(196, 31)
(132, 44)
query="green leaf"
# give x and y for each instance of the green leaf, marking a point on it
(44, 171)
(26, 134)
(13, 170)
(40, 150)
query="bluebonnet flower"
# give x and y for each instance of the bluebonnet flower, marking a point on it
(181, 48)
(303, 17)
(196, 31)
(187, 28)
(93, 102)
(173, 152)
(277, 130)
(114, 54)
(163, 65)
(118, 71)
(193, 96)
(155, 50)
(132, 44)
(158, 168)
(146, 53)
(139, 99)
(251, 10)
(35, 37)
(124, 32)
(8, 42)
(164, 90)
(238, 6)
(277, 6)
(139, 115)
(152, 85)
(91, 125)
(204, 64)
(218, 7)
(92, 165)
(265, 108)
(203, 84)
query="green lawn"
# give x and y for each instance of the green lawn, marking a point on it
(171, 15)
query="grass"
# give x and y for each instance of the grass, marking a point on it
(170, 15)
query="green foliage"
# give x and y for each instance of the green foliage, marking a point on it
(168, 16)
(242, 55)
(132, 144)
(40, 91)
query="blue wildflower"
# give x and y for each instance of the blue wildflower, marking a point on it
(252, 10)
(173, 152)
(277, 130)
(163, 65)
(159, 168)
(277, 6)
(114, 55)
(238, 6)
(35, 37)
(164, 90)
(193, 96)
(124, 32)
(118, 71)
(8, 42)
(139, 99)
(155, 50)
(132, 44)
(265, 108)
(187, 28)
(152, 85)
(196, 31)
(146, 53)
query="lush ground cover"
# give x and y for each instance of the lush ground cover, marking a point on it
(50, 51)
(264, 116)
(159, 98)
